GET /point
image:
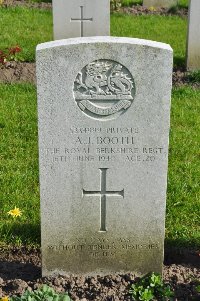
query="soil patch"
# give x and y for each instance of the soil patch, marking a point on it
(15, 72)
(133, 10)
(181, 78)
(42, 5)
(142, 10)
(20, 269)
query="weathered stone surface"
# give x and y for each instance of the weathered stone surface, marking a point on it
(193, 43)
(67, 15)
(159, 3)
(104, 107)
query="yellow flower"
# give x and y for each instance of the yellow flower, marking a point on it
(1, 2)
(5, 298)
(151, 8)
(15, 213)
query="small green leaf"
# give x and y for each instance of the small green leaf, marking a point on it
(198, 288)
(66, 298)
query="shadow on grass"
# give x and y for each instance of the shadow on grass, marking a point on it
(21, 233)
(179, 62)
(181, 251)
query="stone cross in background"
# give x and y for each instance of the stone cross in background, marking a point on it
(104, 107)
(81, 18)
(193, 41)
(159, 3)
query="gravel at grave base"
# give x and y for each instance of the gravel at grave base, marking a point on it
(16, 72)
(20, 269)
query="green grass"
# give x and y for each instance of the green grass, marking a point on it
(26, 28)
(183, 226)
(34, 26)
(19, 166)
(131, 2)
(19, 163)
(183, 3)
(167, 29)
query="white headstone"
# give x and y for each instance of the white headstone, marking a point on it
(104, 107)
(193, 43)
(159, 3)
(81, 18)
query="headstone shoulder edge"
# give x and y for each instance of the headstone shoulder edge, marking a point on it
(105, 39)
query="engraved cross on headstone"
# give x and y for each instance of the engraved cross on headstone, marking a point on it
(103, 193)
(82, 20)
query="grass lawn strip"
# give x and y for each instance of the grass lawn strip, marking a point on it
(34, 26)
(19, 164)
(25, 27)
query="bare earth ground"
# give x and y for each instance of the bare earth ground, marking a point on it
(8, 3)
(20, 269)
(13, 72)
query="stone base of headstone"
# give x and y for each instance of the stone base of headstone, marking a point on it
(193, 41)
(159, 3)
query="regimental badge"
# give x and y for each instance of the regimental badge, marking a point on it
(104, 89)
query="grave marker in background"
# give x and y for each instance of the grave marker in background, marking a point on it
(159, 3)
(81, 18)
(193, 41)
(104, 107)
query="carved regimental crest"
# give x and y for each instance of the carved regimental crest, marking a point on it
(104, 88)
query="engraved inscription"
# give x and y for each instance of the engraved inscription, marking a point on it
(109, 144)
(82, 20)
(103, 193)
(104, 88)
(104, 249)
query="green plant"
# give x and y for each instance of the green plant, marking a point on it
(45, 293)
(151, 287)
(10, 54)
(198, 288)
(115, 5)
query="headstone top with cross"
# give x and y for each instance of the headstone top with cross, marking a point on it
(193, 39)
(81, 18)
(104, 106)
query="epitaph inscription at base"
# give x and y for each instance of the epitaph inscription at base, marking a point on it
(103, 108)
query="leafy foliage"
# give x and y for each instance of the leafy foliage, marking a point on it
(9, 54)
(45, 293)
(115, 5)
(151, 287)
